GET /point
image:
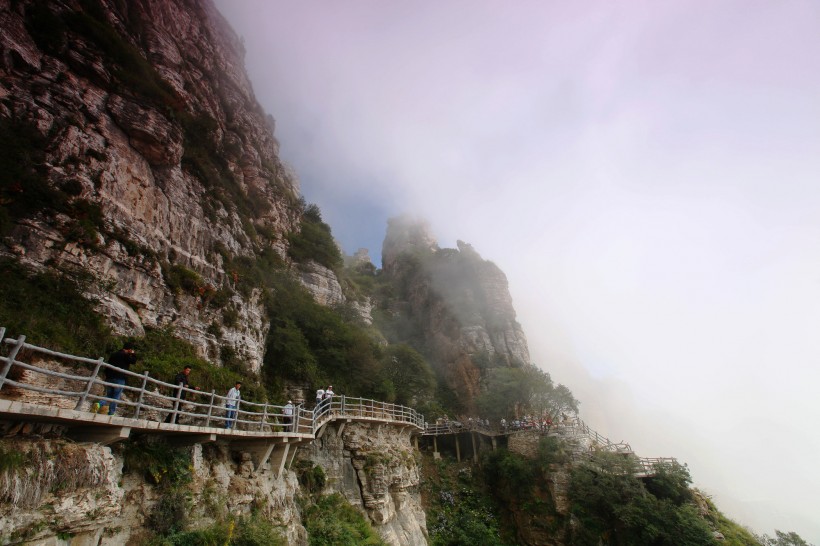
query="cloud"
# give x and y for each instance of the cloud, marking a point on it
(643, 172)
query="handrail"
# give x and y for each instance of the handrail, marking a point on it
(149, 396)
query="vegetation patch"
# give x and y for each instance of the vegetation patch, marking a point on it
(253, 530)
(163, 355)
(333, 521)
(311, 477)
(32, 469)
(460, 510)
(50, 308)
(614, 506)
(157, 462)
(314, 241)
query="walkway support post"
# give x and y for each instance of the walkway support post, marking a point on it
(475, 452)
(458, 449)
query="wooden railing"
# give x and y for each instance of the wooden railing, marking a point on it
(206, 409)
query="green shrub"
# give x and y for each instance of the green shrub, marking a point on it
(159, 463)
(180, 279)
(163, 356)
(248, 531)
(609, 501)
(459, 508)
(10, 459)
(170, 514)
(314, 241)
(50, 309)
(311, 477)
(332, 521)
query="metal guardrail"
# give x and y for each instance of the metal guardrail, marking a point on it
(206, 409)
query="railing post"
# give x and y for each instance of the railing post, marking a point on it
(142, 393)
(343, 405)
(236, 415)
(264, 417)
(210, 409)
(174, 411)
(91, 380)
(10, 360)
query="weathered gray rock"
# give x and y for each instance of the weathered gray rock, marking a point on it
(374, 468)
(322, 283)
(172, 147)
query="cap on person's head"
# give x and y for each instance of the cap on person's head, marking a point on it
(128, 346)
(289, 402)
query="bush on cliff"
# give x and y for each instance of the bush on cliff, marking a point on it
(49, 308)
(314, 241)
(613, 505)
(332, 521)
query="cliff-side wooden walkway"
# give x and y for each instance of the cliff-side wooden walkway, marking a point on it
(59, 388)
(40, 385)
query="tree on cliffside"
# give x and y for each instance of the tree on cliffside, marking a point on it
(513, 392)
(408, 373)
(615, 507)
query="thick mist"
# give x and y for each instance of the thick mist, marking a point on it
(644, 173)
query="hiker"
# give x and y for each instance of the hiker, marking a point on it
(181, 380)
(119, 360)
(287, 411)
(320, 395)
(328, 396)
(232, 404)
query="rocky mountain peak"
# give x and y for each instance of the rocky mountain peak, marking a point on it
(460, 302)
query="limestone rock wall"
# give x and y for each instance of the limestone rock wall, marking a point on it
(151, 148)
(374, 468)
(80, 490)
(322, 283)
(65, 488)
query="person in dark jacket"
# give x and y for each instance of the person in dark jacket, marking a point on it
(120, 360)
(180, 379)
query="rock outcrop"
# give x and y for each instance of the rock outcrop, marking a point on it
(374, 467)
(80, 490)
(460, 302)
(143, 149)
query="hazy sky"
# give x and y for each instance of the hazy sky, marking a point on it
(647, 174)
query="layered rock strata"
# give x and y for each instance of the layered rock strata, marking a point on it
(150, 158)
(374, 467)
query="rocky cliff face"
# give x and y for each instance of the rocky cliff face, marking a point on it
(374, 467)
(87, 492)
(460, 302)
(80, 491)
(136, 151)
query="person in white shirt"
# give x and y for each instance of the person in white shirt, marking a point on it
(231, 403)
(287, 411)
(320, 395)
